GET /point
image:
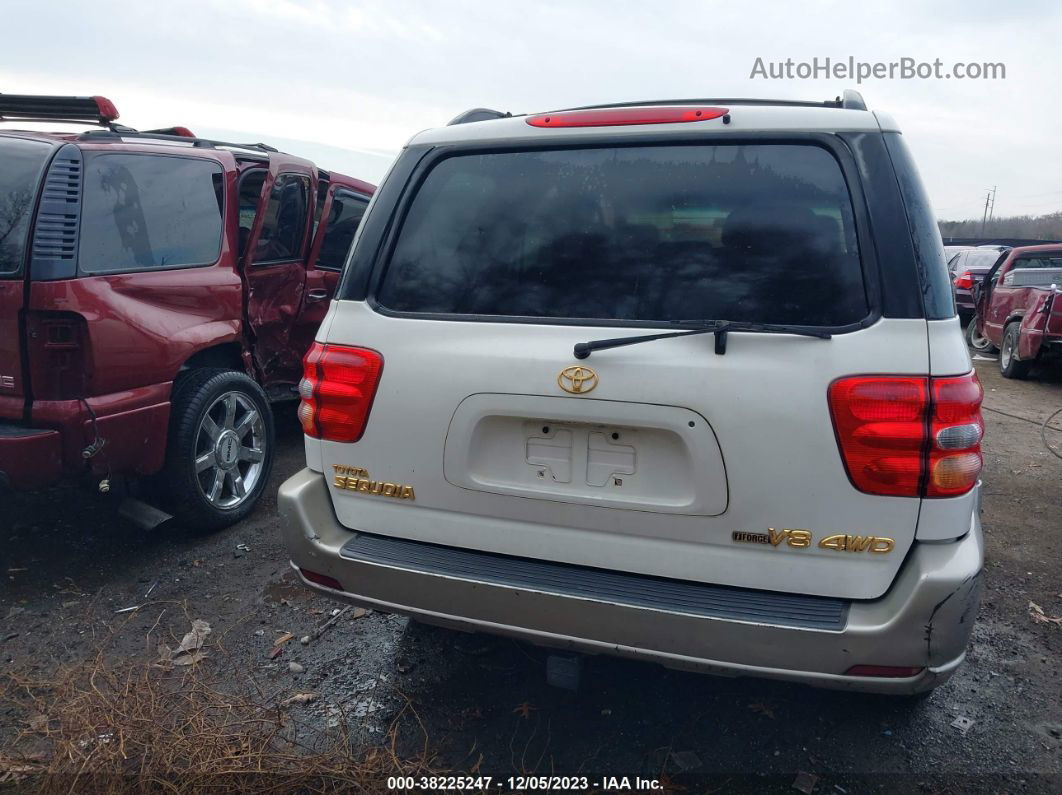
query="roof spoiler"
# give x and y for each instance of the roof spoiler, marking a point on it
(35, 107)
(477, 114)
(849, 100)
(852, 100)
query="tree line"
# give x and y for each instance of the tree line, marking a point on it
(1038, 227)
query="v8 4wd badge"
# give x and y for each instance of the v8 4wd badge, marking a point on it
(802, 539)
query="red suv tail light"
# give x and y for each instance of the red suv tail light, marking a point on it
(965, 281)
(337, 390)
(909, 436)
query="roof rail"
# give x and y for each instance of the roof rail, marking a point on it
(477, 114)
(851, 100)
(203, 143)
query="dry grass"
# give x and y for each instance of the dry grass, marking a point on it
(104, 727)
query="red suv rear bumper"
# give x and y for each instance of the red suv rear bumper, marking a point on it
(131, 425)
(30, 458)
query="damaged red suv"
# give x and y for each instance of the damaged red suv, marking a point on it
(157, 294)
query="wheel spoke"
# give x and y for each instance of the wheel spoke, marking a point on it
(237, 485)
(252, 454)
(211, 428)
(248, 422)
(230, 412)
(204, 462)
(219, 483)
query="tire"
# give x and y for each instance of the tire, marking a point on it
(1010, 366)
(213, 478)
(976, 341)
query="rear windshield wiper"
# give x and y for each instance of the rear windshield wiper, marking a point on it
(717, 327)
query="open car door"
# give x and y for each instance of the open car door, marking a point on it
(274, 267)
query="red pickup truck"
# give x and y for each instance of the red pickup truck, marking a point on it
(157, 294)
(1019, 310)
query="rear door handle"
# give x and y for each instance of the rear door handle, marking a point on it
(317, 295)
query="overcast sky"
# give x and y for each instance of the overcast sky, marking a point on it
(347, 82)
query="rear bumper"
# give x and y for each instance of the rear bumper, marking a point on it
(964, 301)
(30, 458)
(128, 430)
(924, 620)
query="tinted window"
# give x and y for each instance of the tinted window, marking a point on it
(21, 165)
(147, 211)
(284, 225)
(343, 219)
(250, 192)
(752, 232)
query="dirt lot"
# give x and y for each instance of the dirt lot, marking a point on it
(69, 563)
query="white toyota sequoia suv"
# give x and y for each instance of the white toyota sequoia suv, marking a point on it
(680, 381)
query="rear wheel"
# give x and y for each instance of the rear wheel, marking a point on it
(1009, 363)
(220, 451)
(976, 340)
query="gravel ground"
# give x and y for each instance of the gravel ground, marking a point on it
(69, 562)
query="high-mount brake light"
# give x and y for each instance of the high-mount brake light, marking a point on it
(616, 117)
(337, 390)
(965, 281)
(909, 436)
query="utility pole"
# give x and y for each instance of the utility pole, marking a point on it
(992, 206)
(984, 217)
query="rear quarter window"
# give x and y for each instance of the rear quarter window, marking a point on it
(754, 232)
(22, 163)
(145, 212)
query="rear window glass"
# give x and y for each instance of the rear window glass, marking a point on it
(759, 232)
(144, 211)
(21, 165)
(983, 259)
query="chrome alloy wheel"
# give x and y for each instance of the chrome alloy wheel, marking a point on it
(978, 341)
(1006, 354)
(230, 449)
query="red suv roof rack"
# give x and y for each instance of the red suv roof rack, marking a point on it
(34, 107)
(101, 111)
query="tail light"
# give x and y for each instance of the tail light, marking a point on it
(965, 281)
(58, 360)
(337, 390)
(909, 436)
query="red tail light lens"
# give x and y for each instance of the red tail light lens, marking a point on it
(909, 436)
(966, 281)
(322, 579)
(337, 390)
(618, 117)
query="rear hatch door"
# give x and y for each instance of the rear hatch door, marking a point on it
(663, 458)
